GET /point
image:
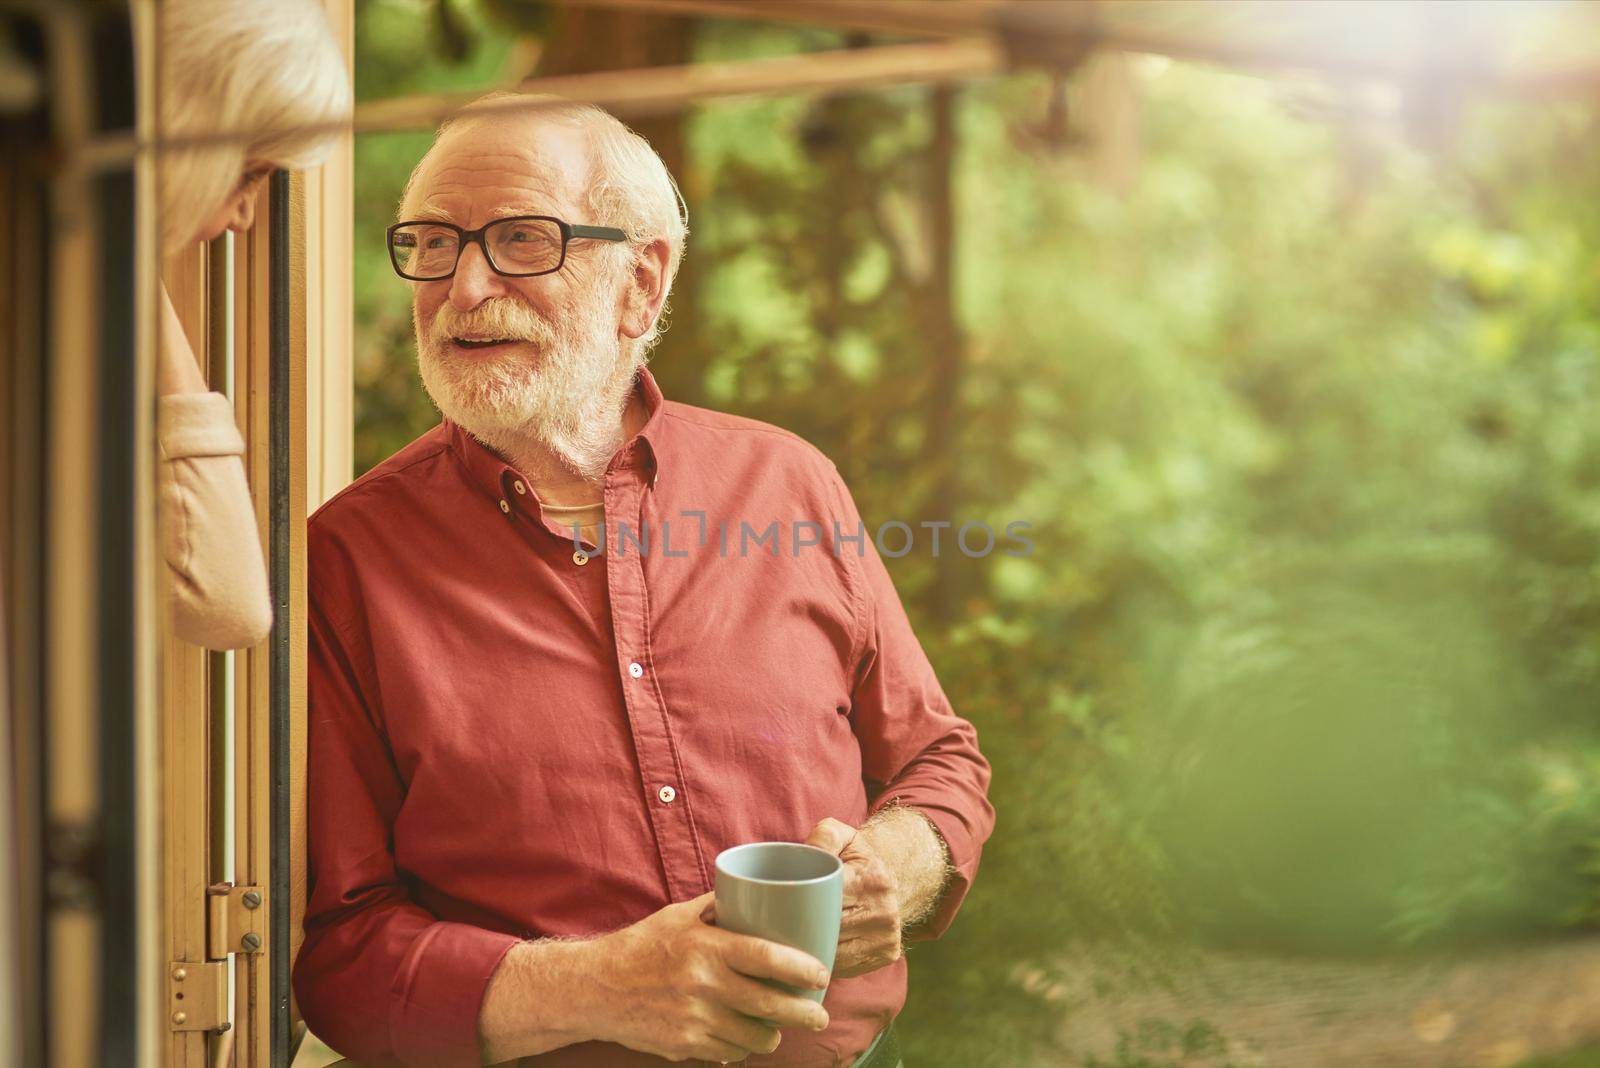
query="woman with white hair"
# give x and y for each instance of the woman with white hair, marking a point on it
(272, 73)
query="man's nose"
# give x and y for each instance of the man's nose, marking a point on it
(474, 281)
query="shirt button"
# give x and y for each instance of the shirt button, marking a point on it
(505, 507)
(636, 670)
(666, 794)
(519, 487)
(580, 557)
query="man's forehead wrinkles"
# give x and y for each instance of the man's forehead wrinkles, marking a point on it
(434, 213)
(529, 158)
(467, 180)
(475, 175)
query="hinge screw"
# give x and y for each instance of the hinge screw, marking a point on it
(252, 900)
(181, 974)
(180, 1018)
(251, 941)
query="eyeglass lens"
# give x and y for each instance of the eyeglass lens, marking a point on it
(516, 246)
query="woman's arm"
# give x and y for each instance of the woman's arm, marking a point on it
(208, 528)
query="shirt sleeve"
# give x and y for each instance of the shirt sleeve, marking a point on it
(915, 750)
(219, 581)
(379, 978)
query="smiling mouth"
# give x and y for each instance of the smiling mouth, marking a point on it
(481, 342)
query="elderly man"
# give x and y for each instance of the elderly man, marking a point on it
(527, 748)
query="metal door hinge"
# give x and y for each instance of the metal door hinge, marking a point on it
(237, 920)
(197, 996)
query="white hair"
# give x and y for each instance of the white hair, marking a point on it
(267, 68)
(630, 187)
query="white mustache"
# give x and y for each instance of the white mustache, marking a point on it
(497, 317)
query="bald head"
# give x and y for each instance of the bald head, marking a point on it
(581, 163)
(502, 164)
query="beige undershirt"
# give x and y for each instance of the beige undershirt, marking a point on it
(218, 587)
(589, 518)
(586, 517)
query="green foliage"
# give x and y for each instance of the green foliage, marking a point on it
(1306, 424)
(1158, 1043)
(1584, 1058)
(398, 53)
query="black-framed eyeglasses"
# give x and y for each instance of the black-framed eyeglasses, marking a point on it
(519, 247)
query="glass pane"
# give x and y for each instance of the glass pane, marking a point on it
(426, 251)
(525, 245)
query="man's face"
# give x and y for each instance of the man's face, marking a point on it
(503, 356)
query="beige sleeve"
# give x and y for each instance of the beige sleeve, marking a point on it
(208, 527)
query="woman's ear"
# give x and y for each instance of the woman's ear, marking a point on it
(243, 215)
(246, 195)
(647, 287)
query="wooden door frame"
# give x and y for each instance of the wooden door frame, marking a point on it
(286, 347)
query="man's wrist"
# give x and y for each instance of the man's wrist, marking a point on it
(585, 976)
(540, 999)
(911, 847)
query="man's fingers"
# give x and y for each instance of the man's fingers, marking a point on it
(703, 908)
(871, 942)
(832, 835)
(760, 959)
(859, 956)
(852, 888)
(719, 1051)
(871, 918)
(854, 851)
(769, 1003)
(705, 905)
(741, 1031)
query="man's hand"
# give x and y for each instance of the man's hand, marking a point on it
(894, 871)
(675, 986)
(869, 935)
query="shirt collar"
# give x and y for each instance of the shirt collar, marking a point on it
(493, 475)
(653, 432)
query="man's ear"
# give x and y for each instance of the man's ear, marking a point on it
(646, 290)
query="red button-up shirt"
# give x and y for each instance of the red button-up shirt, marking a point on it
(513, 738)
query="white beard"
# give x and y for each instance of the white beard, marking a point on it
(566, 396)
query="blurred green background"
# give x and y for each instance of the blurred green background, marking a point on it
(1297, 385)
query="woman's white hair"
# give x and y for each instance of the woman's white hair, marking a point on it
(268, 69)
(630, 187)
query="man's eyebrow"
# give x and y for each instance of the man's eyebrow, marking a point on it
(429, 215)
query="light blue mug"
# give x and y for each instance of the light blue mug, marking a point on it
(783, 892)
